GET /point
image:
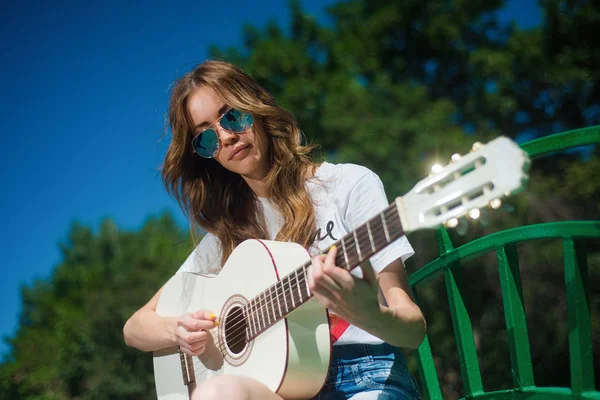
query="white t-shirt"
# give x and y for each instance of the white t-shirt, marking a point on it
(345, 196)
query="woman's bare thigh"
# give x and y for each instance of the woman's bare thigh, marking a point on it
(232, 387)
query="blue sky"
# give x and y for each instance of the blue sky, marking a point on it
(84, 92)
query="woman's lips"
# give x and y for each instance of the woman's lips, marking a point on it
(240, 153)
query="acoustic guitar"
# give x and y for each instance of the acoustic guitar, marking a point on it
(270, 327)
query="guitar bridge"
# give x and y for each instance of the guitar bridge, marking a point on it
(187, 368)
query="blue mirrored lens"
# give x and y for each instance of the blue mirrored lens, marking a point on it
(236, 121)
(206, 143)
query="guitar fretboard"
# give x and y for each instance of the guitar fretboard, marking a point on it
(292, 290)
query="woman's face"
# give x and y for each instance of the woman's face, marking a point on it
(244, 153)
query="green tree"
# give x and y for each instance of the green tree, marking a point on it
(69, 343)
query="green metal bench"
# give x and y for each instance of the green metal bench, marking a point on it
(572, 235)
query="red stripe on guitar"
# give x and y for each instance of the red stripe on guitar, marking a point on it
(337, 327)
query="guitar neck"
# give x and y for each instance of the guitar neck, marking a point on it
(280, 299)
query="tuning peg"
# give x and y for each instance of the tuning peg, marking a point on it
(476, 146)
(496, 204)
(436, 169)
(474, 213)
(452, 223)
(455, 157)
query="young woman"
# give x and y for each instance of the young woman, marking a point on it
(237, 167)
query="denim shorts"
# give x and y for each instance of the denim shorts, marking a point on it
(360, 371)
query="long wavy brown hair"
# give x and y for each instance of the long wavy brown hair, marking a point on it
(220, 201)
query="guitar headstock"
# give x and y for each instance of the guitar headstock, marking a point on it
(478, 179)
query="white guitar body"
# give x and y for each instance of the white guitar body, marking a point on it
(291, 357)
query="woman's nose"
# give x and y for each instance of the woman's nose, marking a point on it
(226, 136)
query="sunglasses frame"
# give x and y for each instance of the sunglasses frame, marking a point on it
(218, 121)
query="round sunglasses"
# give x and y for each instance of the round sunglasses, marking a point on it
(206, 143)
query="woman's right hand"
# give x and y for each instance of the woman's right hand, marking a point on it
(191, 331)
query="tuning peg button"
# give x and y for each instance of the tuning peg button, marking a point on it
(496, 203)
(474, 213)
(436, 169)
(476, 146)
(452, 223)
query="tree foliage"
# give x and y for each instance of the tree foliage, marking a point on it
(69, 344)
(394, 86)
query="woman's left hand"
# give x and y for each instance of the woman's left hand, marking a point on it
(353, 299)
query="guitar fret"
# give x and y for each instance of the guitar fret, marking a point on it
(378, 234)
(371, 237)
(398, 222)
(298, 285)
(304, 284)
(291, 292)
(277, 296)
(262, 313)
(365, 245)
(345, 254)
(255, 318)
(187, 368)
(304, 271)
(272, 304)
(266, 308)
(351, 251)
(385, 228)
(259, 312)
(287, 308)
(253, 315)
(360, 259)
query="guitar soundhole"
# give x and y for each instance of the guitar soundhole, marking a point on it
(235, 330)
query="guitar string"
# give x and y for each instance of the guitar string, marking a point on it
(239, 335)
(269, 302)
(293, 281)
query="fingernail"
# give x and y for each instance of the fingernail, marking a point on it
(216, 323)
(332, 248)
(211, 315)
